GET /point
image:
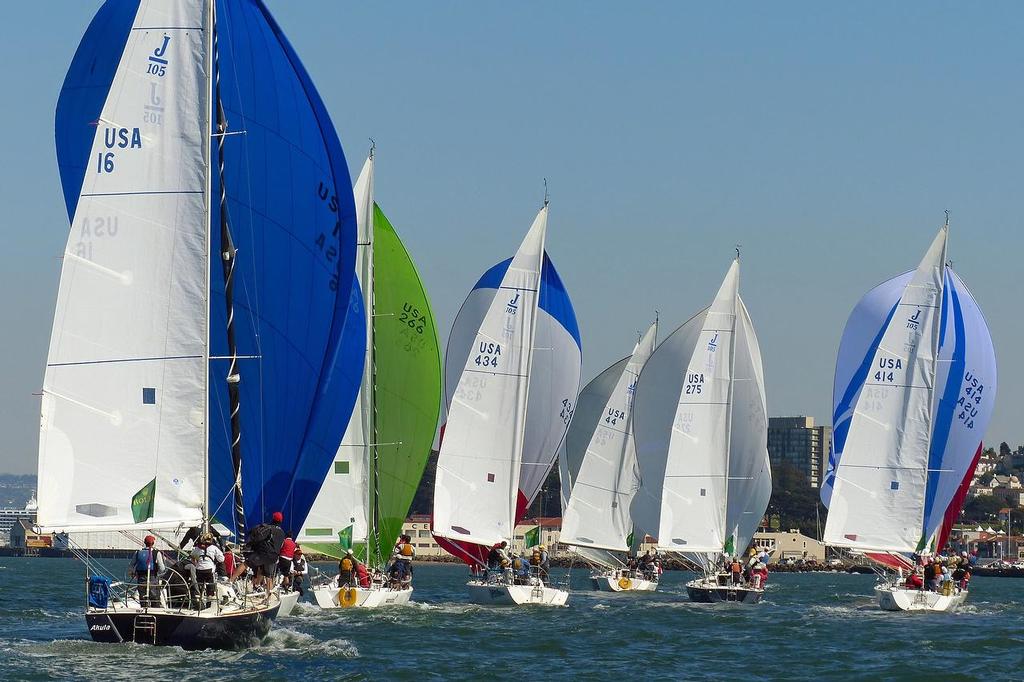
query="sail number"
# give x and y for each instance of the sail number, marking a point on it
(613, 416)
(566, 411)
(970, 399)
(884, 373)
(488, 354)
(116, 138)
(412, 318)
(694, 383)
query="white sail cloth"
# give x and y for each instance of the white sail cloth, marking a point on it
(344, 498)
(477, 485)
(597, 514)
(124, 405)
(879, 488)
(701, 432)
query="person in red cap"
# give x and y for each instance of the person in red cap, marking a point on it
(147, 565)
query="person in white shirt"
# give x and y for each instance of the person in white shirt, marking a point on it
(207, 556)
(299, 571)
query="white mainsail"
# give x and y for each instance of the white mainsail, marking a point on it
(478, 468)
(124, 406)
(693, 506)
(701, 434)
(878, 498)
(597, 514)
(343, 499)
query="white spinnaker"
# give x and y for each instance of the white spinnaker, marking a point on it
(750, 476)
(602, 491)
(654, 410)
(344, 498)
(693, 505)
(879, 492)
(124, 394)
(478, 468)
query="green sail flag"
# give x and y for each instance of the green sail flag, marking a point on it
(730, 546)
(407, 378)
(532, 537)
(142, 502)
(345, 538)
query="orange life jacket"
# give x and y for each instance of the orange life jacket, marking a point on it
(406, 549)
(346, 564)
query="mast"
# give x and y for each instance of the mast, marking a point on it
(936, 336)
(208, 217)
(728, 408)
(373, 522)
(228, 260)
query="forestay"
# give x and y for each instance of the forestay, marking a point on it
(597, 514)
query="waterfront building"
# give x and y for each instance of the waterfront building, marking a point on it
(797, 442)
(790, 545)
(9, 517)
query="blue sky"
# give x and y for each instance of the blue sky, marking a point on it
(826, 138)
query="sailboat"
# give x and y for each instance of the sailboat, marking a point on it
(367, 493)
(600, 437)
(516, 377)
(701, 431)
(202, 344)
(915, 386)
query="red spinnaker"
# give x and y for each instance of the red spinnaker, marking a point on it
(953, 510)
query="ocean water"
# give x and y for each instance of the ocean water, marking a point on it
(809, 626)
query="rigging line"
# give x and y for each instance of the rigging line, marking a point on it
(250, 210)
(228, 263)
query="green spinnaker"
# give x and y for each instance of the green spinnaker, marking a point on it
(407, 379)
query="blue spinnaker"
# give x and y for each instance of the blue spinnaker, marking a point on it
(293, 222)
(965, 385)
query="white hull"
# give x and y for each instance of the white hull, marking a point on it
(615, 582)
(891, 598)
(288, 602)
(330, 597)
(500, 594)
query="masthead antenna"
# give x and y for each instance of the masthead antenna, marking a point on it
(373, 145)
(545, 192)
(738, 251)
(947, 217)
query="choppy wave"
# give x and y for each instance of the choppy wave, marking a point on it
(822, 626)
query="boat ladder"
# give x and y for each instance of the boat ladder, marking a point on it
(145, 626)
(537, 593)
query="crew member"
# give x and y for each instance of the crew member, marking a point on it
(147, 565)
(284, 561)
(261, 552)
(346, 569)
(300, 569)
(403, 556)
(207, 556)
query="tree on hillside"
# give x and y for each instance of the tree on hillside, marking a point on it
(982, 509)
